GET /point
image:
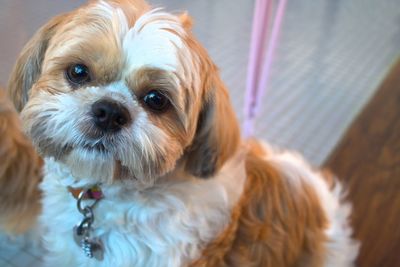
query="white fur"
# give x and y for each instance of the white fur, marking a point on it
(116, 16)
(341, 248)
(149, 43)
(65, 113)
(171, 222)
(154, 41)
(167, 225)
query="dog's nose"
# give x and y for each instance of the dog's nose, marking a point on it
(110, 116)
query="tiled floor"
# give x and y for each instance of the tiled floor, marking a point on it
(19, 252)
(330, 58)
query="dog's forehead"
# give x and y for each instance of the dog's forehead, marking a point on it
(153, 41)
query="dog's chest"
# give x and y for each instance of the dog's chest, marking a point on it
(164, 227)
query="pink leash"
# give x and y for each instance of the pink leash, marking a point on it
(258, 71)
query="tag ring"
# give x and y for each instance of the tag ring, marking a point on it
(85, 209)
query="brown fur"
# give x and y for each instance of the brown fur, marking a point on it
(29, 63)
(272, 225)
(174, 119)
(28, 67)
(203, 157)
(20, 173)
(133, 9)
(217, 135)
(186, 21)
(275, 224)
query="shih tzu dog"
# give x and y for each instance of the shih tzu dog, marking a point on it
(20, 172)
(144, 164)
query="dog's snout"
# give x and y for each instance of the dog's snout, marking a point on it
(110, 116)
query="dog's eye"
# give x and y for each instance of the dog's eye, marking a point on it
(78, 74)
(156, 101)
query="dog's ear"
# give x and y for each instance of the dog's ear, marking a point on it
(29, 63)
(186, 20)
(217, 136)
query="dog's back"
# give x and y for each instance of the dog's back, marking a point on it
(289, 215)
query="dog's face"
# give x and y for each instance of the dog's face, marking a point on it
(116, 90)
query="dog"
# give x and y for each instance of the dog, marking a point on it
(144, 163)
(20, 173)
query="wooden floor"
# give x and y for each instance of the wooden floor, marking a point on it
(368, 160)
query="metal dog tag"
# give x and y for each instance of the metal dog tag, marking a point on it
(91, 247)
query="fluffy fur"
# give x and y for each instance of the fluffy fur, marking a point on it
(20, 172)
(181, 188)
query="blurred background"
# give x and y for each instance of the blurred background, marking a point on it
(330, 61)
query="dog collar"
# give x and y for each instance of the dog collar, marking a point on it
(93, 192)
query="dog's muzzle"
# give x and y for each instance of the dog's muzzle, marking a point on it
(110, 116)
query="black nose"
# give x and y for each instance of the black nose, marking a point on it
(109, 115)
